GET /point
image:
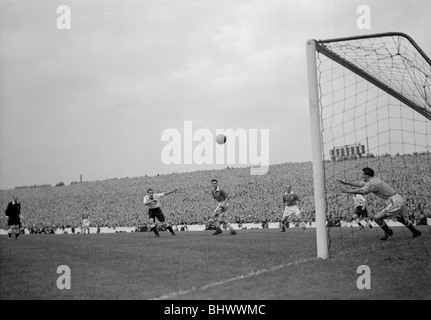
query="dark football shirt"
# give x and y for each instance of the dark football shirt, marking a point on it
(290, 199)
(219, 194)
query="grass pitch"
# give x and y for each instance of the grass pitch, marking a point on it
(254, 265)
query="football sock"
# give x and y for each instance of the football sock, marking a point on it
(407, 223)
(385, 227)
(170, 229)
(410, 226)
(155, 230)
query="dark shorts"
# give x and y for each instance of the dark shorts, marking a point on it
(361, 212)
(156, 213)
(12, 221)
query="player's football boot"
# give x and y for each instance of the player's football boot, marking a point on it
(387, 235)
(233, 232)
(218, 231)
(361, 227)
(417, 233)
(371, 227)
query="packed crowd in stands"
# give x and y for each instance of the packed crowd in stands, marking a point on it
(254, 199)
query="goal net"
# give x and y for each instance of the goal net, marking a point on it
(370, 106)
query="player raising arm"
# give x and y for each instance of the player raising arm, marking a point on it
(395, 204)
(152, 201)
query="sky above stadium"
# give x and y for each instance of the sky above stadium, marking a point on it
(95, 99)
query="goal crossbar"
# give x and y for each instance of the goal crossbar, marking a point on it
(424, 109)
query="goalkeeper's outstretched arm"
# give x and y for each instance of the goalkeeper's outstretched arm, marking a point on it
(353, 191)
(358, 184)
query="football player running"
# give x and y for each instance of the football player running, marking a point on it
(219, 215)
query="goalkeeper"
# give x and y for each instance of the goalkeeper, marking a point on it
(395, 204)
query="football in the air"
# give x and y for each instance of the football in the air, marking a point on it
(221, 138)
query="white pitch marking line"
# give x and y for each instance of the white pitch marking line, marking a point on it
(218, 283)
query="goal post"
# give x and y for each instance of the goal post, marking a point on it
(316, 152)
(370, 91)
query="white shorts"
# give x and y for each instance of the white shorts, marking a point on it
(220, 210)
(395, 206)
(288, 211)
(85, 223)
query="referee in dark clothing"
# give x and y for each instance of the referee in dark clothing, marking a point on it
(13, 212)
